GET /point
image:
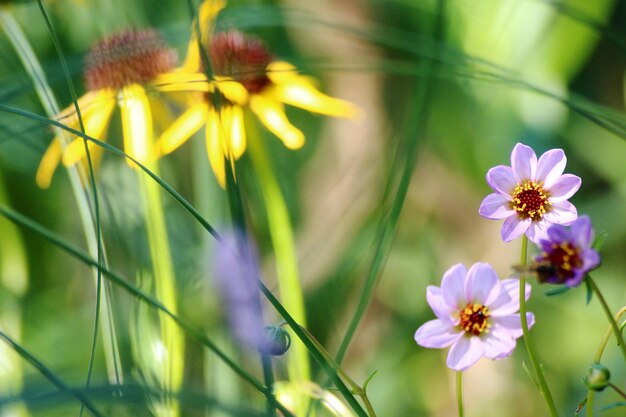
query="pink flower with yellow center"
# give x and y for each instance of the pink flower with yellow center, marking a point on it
(531, 194)
(476, 315)
(245, 76)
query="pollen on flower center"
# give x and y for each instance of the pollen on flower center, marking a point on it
(134, 56)
(530, 200)
(563, 259)
(242, 58)
(474, 319)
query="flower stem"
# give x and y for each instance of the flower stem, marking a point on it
(459, 392)
(281, 234)
(609, 315)
(530, 349)
(268, 376)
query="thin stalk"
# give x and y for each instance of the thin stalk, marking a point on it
(617, 390)
(598, 358)
(268, 377)
(164, 285)
(609, 315)
(530, 349)
(90, 225)
(281, 234)
(459, 393)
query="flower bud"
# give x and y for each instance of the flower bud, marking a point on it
(275, 341)
(597, 377)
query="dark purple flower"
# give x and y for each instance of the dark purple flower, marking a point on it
(567, 254)
(531, 194)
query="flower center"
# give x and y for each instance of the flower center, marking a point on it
(474, 319)
(134, 56)
(561, 261)
(530, 200)
(242, 58)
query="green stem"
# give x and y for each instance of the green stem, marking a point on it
(90, 225)
(617, 390)
(598, 358)
(459, 392)
(284, 248)
(268, 377)
(164, 285)
(530, 349)
(609, 315)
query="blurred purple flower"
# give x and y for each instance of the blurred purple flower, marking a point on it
(476, 315)
(236, 272)
(530, 194)
(567, 254)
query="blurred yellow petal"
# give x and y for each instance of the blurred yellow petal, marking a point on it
(49, 163)
(182, 129)
(281, 72)
(299, 92)
(183, 81)
(237, 132)
(233, 91)
(136, 123)
(96, 123)
(206, 15)
(215, 146)
(272, 115)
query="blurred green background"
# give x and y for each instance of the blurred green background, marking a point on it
(545, 73)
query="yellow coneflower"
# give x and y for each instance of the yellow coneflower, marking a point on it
(248, 77)
(119, 72)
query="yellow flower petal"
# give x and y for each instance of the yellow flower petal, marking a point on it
(182, 129)
(300, 92)
(280, 71)
(237, 132)
(49, 163)
(206, 15)
(233, 91)
(272, 115)
(96, 123)
(215, 146)
(136, 123)
(183, 81)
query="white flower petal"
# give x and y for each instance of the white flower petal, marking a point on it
(563, 188)
(523, 163)
(497, 345)
(482, 284)
(508, 300)
(562, 212)
(453, 286)
(550, 166)
(464, 353)
(538, 231)
(514, 227)
(495, 207)
(437, 334)
(437, 303)
(511, 324)
(500, 178)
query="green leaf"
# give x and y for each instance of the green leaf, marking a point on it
(557, 291)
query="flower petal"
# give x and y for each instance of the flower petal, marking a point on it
(514, 227)
(523, 163)
(182, 129)
(453, 286)
(564, 187)
(498, 345)
(562, 212)
(500, 178)
(550, 167)
(272, 115)
(49, 163)
(507, 301)
(538, 231)
(436, 334)
(495, 207)
(435, 300)
(215, 146)
(582, 231)
(511, 324)
(464, 353)
(136, 123)
(482, 285)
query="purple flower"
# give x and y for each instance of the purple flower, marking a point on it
(567, 254)
(531, 194)
(236, 272)
(476, 315)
